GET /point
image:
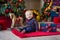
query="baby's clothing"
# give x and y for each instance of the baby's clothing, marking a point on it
(31, 26)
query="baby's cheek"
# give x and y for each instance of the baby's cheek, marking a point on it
(26, 16)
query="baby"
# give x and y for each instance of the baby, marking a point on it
(31, 25)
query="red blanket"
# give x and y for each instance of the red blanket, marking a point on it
(33, 34)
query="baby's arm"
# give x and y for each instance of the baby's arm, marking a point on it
(36, 25)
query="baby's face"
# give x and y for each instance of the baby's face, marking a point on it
(29, 14)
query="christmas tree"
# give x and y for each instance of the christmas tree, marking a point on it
(45, 10)
(11, 6)
(46, 4)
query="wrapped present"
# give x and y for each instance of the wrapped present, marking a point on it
(53, 27)
(58, 25)
(44, 27)
(43, 24)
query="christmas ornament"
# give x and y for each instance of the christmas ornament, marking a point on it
(19, 0)
(7, 11)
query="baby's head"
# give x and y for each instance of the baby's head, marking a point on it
(29, 14)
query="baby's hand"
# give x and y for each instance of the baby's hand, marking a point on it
(23, 31)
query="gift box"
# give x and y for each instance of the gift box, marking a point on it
(53, 27)
(58, 25)
(43, 27)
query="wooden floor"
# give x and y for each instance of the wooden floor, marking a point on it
(8, 35)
